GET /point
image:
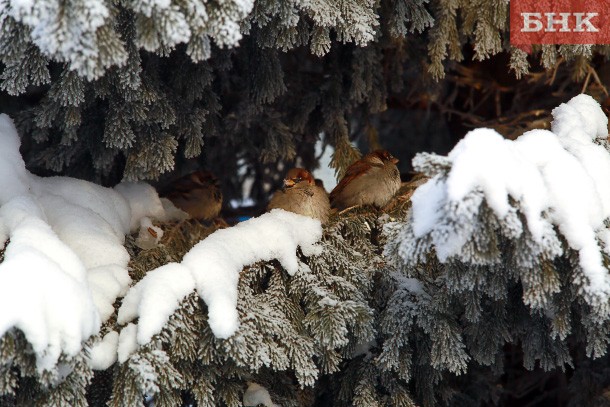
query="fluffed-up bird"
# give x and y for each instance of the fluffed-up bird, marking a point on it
(197, 194)
(301, 195)
(372, 180)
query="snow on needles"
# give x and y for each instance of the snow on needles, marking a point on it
(212, 267)
(65, 264)
(558, 177)
(255, 395)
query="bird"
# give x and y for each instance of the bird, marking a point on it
(197, 194)
(320, 183)
(301, 195)
(372, 180)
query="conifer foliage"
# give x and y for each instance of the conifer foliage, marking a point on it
(419, 303)
(489, 255)
(293, 330)
(131, 89)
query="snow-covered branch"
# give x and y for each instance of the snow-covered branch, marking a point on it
(212, 268)
(542, 183)
(65, 264)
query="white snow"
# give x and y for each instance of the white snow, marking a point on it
(70, 32)
(107, 283)
(103, 354)
(43, 287)
(427, 201)
(559, 176)
(65, 264)
(15, 179)
(143, 201)
(155, 298)
(149, 235)
(484, 159)
(60, 33)
(256, 394)
(212, 267)
(128, 343)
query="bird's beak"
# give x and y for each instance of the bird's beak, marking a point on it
(288, 183)
(395, 160)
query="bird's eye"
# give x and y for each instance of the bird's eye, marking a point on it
(298, 179)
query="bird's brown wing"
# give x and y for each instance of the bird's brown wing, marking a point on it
(355, 170)
(182, 186)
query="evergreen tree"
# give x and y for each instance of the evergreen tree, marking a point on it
(139, 90)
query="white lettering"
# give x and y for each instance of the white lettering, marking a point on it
(551, 22)
(530, 24)
(580, 22)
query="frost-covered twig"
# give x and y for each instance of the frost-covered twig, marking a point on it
(540, 184)
(65, 264)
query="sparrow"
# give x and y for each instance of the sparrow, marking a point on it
(301, 195)
(197, 194)
(320, 183)
(372, 180)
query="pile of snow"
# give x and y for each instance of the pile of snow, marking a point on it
(212, 267)
(255, 395)
(104, 353)
(559, 177)
(65, 264)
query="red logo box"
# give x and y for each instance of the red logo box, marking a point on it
(559, 22)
